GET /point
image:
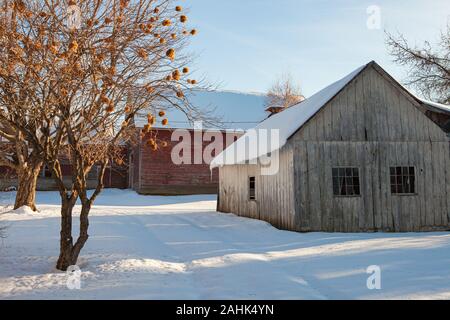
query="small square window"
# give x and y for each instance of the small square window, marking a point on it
(403, 180)
(46, 172)
(346, 182)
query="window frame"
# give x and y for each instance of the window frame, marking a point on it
(403, 194)
(359, 182)
(43, 174)
(249, 181)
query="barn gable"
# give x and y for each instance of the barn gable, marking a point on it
(371, 107)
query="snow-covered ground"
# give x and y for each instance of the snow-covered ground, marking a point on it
(180, 248)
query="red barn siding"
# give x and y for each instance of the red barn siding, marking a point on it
(159, 175)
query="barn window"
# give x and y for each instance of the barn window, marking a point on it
(46, 172)
(252, 188)
(403, 180)
(346, 182)
(93, 174)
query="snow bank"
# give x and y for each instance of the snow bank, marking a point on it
(24, 211)
(186, 250)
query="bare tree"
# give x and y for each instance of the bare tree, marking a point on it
(16, 87)
(123, 57)
(429, 66)
(284, 93)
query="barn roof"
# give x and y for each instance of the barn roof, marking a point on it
(287, 122)
(222, 110)
(436, 107)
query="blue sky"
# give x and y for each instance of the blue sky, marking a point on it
(245, 44)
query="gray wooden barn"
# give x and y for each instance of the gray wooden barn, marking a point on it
(358, 156)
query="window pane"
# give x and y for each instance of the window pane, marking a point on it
(350, 191)
(397, 189)
(345, 181)
(393, 180)
(411, 171)
(348, 181)
(335, 189)
(412, 184)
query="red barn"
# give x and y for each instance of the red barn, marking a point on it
(154, 172)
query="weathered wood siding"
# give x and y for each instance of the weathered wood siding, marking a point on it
(274, 193)
(371, 125)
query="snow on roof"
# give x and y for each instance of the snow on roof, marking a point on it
(232, 111)
(286, 122)
(440, 106)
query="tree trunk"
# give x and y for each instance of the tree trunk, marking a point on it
(69, 252)
(84, 226)
(26, 191)
(65, 259)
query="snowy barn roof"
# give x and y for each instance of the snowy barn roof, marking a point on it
(438, 107)
(287, 122)
(228, 110)
(290, 121)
